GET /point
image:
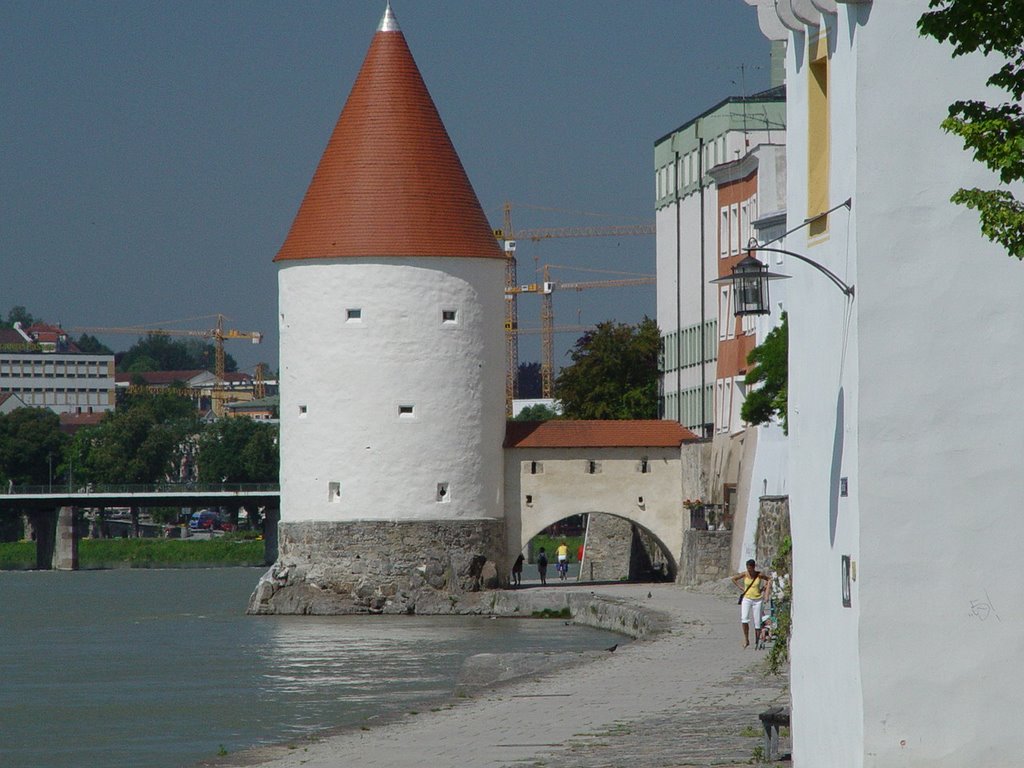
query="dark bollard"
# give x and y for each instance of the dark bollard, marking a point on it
(271, 517)
(44, 526)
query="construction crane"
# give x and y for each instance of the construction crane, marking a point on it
(508, 235)
(218, 334)
(546, 290)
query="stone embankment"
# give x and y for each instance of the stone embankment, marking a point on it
(684, 694)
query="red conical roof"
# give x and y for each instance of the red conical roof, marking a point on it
(389, 182)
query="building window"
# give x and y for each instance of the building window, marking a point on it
(334, 492)
(443, 496)
(354, 315)
(406, 412)
(726, 323)
(744, 225)
(644, 466)
(536, 468)
(529, 500)
(449, 317)
(303, 411)
(723, 234)
(734, 229)
(593, 467)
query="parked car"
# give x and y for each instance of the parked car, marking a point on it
(208, 520)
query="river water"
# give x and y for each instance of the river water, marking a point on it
(161, 668)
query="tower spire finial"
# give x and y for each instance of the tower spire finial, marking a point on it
(388, 22)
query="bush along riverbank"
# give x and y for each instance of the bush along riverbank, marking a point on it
(144, 553)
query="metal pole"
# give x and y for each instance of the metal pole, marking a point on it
(679, 290)
(703, 302)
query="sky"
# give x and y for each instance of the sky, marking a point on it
(154, 154)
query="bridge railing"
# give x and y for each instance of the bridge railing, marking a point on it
(109, 488)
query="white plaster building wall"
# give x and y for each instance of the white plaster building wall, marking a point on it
(941, 312)
(690, 288)
(769, 470)
(909, 393)
(347, 383)
(563, 486)
(825, 651)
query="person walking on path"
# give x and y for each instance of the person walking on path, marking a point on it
(517, 571)
(756, 588)
(542, 566)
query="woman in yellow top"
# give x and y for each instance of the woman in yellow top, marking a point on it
(562, 558)
(756, 588)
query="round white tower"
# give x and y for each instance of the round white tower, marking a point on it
(392, 381)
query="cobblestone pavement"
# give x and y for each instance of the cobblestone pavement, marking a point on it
(687, 699)
(718, 732)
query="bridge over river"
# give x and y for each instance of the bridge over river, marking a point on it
(53, 511)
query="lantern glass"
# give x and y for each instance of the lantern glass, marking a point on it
(750, 283)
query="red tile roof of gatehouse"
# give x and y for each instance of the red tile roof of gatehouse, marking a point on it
(564, 433)
(389, 182)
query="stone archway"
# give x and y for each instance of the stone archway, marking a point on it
(617, 548)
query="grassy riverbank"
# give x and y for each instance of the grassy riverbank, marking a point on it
(144, 553)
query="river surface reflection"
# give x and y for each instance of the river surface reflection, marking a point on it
(161, 668)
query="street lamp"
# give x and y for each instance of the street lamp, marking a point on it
(750, 279)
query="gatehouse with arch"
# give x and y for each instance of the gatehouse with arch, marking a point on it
(640, 471)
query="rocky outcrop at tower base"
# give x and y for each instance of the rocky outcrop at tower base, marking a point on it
(368, 566)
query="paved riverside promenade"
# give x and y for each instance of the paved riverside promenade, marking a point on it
(688, 697)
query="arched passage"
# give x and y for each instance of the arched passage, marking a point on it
(615, 547)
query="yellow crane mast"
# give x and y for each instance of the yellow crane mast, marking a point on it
(547, 312)
(508, 235)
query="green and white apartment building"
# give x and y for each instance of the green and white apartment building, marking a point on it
(692, 230)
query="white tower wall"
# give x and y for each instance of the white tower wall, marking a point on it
(390, 408)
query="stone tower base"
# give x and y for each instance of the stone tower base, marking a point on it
(376, 566)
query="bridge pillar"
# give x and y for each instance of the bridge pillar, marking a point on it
(65, 551)
(44, 525)
(271, 517)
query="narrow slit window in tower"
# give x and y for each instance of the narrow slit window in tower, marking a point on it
(334, 492)
(443, 496)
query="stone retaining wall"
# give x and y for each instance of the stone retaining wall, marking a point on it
(369, 566)
(772, 528)
(705, 557)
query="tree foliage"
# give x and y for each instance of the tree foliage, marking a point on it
(238, 450)
(529, 383)
(31, 443)
(613, 374)
(18, 314)
(995, 134)
(536, 412)
(769, 363)
(144, 441)
(90, 345)
(161, 353)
